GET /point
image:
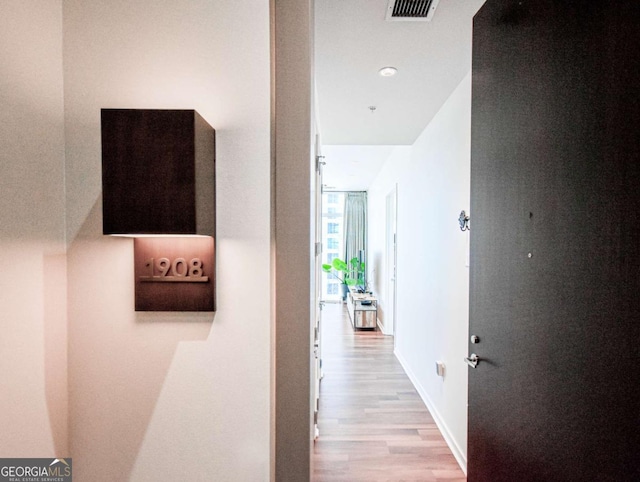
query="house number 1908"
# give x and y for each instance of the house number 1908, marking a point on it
(178, 270)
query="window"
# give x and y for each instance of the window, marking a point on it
(332, 222)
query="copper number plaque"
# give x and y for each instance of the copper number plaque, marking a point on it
(174, 273)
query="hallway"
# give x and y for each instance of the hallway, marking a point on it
(373, 424)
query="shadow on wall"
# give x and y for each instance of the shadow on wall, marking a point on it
(33, 399)
(118, 359)
(54, 284)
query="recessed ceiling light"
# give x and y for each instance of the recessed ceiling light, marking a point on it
(387, 71)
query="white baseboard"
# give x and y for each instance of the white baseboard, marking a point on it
(382, 328)
(442, 426)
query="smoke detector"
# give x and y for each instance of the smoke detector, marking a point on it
(411, 10)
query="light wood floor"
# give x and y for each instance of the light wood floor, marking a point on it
(373, 424)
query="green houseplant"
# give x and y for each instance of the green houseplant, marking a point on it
(351, 274)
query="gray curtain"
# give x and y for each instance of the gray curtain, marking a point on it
(355, 224)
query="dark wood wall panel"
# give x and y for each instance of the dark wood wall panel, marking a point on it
(157, 172)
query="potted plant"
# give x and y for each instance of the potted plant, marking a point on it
(351, 274)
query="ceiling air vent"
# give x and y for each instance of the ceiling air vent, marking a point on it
(411, 10)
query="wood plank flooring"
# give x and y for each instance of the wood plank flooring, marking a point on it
(373, 424)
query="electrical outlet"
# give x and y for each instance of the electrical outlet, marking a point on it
(440, 368)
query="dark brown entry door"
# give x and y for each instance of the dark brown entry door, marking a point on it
(555, 242)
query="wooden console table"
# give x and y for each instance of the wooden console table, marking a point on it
(363, 309)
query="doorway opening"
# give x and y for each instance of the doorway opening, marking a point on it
(391, 256)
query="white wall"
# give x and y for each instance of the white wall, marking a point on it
(383, 184)
(33, 352)
(432, 276)
(157, 396)
(150, 396)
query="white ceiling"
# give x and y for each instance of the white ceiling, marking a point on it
(352, 42)
(352, 168)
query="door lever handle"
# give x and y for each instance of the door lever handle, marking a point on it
(472, 360)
